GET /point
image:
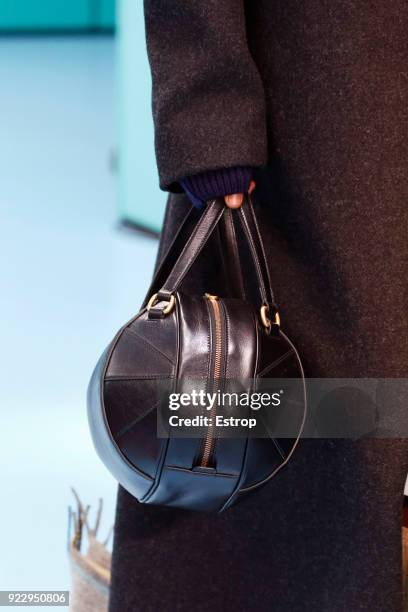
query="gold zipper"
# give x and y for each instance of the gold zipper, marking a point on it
(209, 440)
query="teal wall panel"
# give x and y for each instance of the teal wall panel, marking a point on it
(107, 13)
(140, 199)
(56, 14)
(43, 13)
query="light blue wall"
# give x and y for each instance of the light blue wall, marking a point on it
(140, 199)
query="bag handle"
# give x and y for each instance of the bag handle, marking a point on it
(251, 229)
(172, 253)
(230, 257)
(162, 301)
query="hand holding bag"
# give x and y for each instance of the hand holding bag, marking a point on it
(176, 337)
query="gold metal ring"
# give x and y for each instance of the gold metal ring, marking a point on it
(265, 318)
(167, 309)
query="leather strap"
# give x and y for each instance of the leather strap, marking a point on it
(192, 248)
(214, 212)
(253, 235)
(229, 252)
(173, 252)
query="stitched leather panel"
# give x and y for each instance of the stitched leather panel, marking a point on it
(140, 444)
(276, 358)
(137, 482)
(145, 348)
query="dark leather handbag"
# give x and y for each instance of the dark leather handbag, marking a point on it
(176, 337)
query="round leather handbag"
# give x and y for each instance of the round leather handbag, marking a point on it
(177, 337)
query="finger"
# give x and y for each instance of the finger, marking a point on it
(234, 200)
(252, 186)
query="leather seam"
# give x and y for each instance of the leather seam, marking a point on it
(271, 366)
(198, 473)
(227, 336)
(130, 426)
(150, 345)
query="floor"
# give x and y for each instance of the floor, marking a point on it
(69, 279)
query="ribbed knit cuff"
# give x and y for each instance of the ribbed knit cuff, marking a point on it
(216, 183)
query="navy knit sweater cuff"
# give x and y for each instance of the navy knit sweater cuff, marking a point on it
(216, 183)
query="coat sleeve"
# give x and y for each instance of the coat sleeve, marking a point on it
(208, 99)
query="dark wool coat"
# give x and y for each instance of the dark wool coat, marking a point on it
(316, 91)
